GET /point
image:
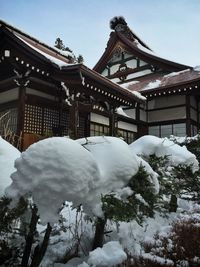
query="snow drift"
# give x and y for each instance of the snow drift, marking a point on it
(8, 155)
(148, 145)
(54, 170)
(58, 169)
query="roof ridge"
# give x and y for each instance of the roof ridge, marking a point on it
(12, 28)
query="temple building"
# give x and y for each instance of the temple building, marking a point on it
(43, 92)
(172, 90)
(129, 93)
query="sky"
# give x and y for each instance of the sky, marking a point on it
(169, 27)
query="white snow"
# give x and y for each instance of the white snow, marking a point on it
(144, 49)
(138, 95)
(120, 111)
(172, 74)
(197, 68)
(148, 145)
(8, 155)
(135, 93)
(114, 159)
(153, 84)
(110, 254)
(59, 169)
(55, 60)
(54, 170)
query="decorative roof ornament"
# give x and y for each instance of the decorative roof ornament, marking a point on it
(119, 25)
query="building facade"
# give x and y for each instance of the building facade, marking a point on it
(43, 92)
(171, 89)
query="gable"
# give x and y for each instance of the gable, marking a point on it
(127, 58)
(124, 66)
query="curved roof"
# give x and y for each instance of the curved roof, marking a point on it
(136, 47)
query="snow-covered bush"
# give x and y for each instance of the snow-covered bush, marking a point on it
(93, 169)
(8, 155)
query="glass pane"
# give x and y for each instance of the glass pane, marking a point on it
(166, 130)
(154, 130)
(179, 129)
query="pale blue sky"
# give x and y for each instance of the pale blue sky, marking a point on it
(170, 27)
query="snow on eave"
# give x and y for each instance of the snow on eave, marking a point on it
(152, 85)
(135, 93)
(121, 112)
(172, 74)
(196, 68)
(24, 34)
(53, 59)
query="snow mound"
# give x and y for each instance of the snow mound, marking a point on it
(148, 145)
(8, 155)
(110, 254)
(54, 170)
(114, 159)
(59, 169)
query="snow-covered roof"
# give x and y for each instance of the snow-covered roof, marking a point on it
(55, 55)
(166, 81)
(53, 59)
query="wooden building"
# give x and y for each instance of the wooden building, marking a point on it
(43, 92)
(172, 90)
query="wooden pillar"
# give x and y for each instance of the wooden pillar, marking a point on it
(21, 111)
(112, 121)
(197, 103)
(73, 119)
(188, 116)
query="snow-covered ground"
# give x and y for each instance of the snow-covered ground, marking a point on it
(58, 169)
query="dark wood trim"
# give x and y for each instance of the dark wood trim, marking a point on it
(167, 122)
(21, 111)
(112, 120)
(40, 101)
(11, 104)
(188, 115)
(197, 103)
(163, 108)
(128, 72)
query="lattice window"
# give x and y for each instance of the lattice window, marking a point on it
(8, 120)
(33, 119)
(51, 120)
(81, 127)
(64, 122)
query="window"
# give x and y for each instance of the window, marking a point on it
(154, 130)
(167, 130)
(179, 129)
(98, 129)
(128, 136)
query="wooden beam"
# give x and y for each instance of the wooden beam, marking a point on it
(188, 115)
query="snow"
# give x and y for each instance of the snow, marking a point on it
(110, 254)
(55, 60)
(148, 145)
(114, 159)
(138, 95)
(153, 84)
(197, 68)
(58, 169)
(144, 49)
(121, 112)
(172, 74)
(135, 93)
(8, 155)
(54, 170)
